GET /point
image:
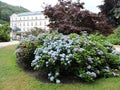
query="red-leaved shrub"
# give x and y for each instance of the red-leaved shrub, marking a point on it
(69, 17)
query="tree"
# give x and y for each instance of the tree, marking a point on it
(5, 33)
(111, 9)
(69, 17)
(7, 10)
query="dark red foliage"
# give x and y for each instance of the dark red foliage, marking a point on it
(70, 17)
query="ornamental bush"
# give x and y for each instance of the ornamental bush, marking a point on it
(79, 55)
(25, 50)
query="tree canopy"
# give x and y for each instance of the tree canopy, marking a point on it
(111, 9)
(70, 17)
(6, 10)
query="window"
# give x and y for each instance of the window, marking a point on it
(40, 23)
(23, 24)
(28, 24)
(36, 23)
(45, 23)
(23, 29)
(31, 24)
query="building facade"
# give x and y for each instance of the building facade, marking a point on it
(28, 20)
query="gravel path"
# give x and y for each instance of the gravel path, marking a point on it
(4, 44)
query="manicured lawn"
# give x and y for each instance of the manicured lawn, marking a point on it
(14, 78)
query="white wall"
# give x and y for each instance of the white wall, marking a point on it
(26, 23)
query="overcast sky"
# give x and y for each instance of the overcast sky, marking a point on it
(35, 5)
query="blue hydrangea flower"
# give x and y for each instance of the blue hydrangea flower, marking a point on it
(100, 52)
(115, 52)
(81, 49)
(68, 51)
(62, 59)
(58, 81)
(88, 72)
(37, 57)
(57, 74)
(90, 60)
(106, 70)
(65, 64)
(69, 62)
(52, 78)
(49, 74)
(75, 49)
(97, 71)
(89, 67)
(80, 75)
(115, 74)
(47, 63)
(91, 73)
(71, 55)
(62, 55)
(37, 66)
(67, 58)
(94, 74)
(45, 51)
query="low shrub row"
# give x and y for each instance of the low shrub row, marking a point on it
(86, 57)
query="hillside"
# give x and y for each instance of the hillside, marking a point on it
(6, 10)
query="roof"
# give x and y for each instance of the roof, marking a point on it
(29, 13)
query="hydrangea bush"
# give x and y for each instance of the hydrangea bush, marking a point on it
(83, 56)
(78, 55)
(25, 51)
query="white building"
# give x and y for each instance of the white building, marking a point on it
(28, 20)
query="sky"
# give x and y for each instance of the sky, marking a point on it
(36, 5)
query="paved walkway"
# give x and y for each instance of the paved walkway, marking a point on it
(4, 44)
(117, 47)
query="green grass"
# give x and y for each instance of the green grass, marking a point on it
(14, 78)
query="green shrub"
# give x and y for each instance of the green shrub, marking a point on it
(5, 33)
(25, 51)
(83, 56)
(115, 37)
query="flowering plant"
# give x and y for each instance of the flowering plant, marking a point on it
(25, 50)
(76, 55)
